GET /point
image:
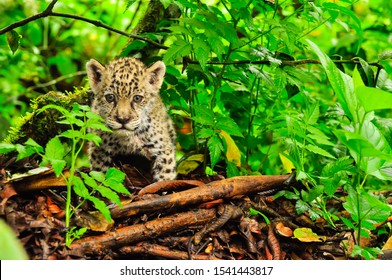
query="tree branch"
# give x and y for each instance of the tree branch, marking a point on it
(283, 62)
(48, 12)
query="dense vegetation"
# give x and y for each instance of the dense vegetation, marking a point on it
(254, 86)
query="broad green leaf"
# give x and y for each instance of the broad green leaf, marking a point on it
(358, 145)
(215, 147)
(374, 98)
(318, 150)
(10, 246)
(54, 149)
(13, 38)
(341, 83)
(365, 208)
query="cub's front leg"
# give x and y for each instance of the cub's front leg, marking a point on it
(100, 158)
(164, 164)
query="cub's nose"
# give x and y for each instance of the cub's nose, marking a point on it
(122, 120)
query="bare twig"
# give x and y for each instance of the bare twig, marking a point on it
(48, 12)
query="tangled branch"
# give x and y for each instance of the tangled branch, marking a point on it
(48, 12)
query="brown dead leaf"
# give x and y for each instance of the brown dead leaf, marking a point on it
(388, 244)
(283, 230)
(94, 221)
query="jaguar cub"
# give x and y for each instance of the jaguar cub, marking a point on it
(126, 95)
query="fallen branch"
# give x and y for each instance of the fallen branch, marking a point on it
(227, 188)
(139, 232)
(165, 252)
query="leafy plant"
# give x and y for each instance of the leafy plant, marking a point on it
(88, 185)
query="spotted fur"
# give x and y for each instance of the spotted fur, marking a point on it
(126, 95)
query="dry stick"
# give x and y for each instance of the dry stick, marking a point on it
(161, 251)
(135, 233)
(170, 186)
(227, 188)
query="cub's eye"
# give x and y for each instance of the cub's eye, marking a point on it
(109, 98)
(138, 98)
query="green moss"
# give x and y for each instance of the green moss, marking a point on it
(43, 126)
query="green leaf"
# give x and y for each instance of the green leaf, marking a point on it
(97, 125)
(98, 176)
(80, 188)
(180, 48)
(72, 134)
(374, 98)
(312, 114)
(105, 192)
(54, 149)
(114, 179)
(365, 208)
(25, 151)
(101, 207)
(11, 247)
(318, 150)
(231, 169)
(203, 115)
(115, 174)
(215, 147)
(6, 148)
(341, 83)
(228, 125)
(202, 51)
(93, 138)
(89, 181)
(13, 38)
(116, 186)
(206, 133)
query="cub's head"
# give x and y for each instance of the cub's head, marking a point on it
(124, 90)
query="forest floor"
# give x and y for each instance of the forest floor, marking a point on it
(194, 217)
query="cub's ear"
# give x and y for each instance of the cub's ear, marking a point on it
(155, 74)
(96, 74)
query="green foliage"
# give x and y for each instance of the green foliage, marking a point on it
(10, 247)
(242, 72)
(79, 120)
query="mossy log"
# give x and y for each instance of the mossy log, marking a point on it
(43, 126)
